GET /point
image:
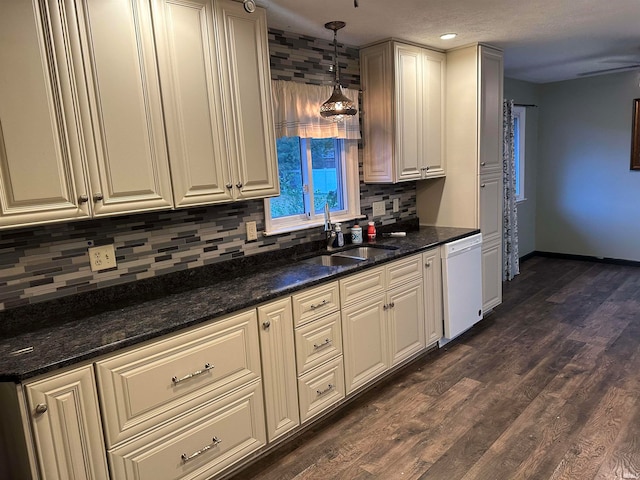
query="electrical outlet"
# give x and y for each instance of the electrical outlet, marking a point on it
(396, 205)
(379, 209)
(252, 231)
(102, 257)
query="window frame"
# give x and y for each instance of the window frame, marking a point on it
(351, 195)
(520, 113)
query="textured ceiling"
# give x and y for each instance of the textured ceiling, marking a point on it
(543, 40)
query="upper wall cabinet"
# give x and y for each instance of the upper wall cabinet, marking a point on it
(42, 176)
(214, 69)
(403, 112)
(115, 67)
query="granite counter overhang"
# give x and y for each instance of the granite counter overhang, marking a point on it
(60, 343)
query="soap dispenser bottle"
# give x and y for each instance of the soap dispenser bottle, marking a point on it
(339, 235)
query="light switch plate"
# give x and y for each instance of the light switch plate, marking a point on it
(252, 231)
(396, 205)
(379, 209)
(102, 257)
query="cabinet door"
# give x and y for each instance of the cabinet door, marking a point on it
(490, 115)
(192, 99)
(122, 119)
(41, 158)
(405, 314)
(408, 111)
(433, 159)
(491, 275)
(491, 207)
(433, 295)
(66, 426)
(376, 64)
(247, 88)
(278, 367)
(364, 335)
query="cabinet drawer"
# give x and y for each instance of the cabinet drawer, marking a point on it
(404, 270)
(318, 342)
(321, 388)
(315, 303)
(356, 287)
(198, 445)
(150, 384)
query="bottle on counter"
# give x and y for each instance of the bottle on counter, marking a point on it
(339, 235)
(371, 232)
(356, 234)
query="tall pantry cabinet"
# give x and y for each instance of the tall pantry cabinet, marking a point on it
(471, 194)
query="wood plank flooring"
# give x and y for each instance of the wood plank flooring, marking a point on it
(547, 387)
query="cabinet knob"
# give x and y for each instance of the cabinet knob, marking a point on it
(266, 325)
(41, 408)
(239, 185)
(426, 168)
(482, 185)
(229, 186)
(83, 199)
(428, 264)
(392, 304)
(482, 164)
(98, 197)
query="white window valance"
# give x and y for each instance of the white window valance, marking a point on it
(296, 112)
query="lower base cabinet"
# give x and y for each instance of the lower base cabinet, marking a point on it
(199, 445)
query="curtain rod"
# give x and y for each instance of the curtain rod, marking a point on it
(525, 105)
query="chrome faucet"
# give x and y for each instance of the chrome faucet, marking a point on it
(328, 228)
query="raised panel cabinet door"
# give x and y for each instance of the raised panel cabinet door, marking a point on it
(365, 341)
(66, 426)
(491, 275)
(376, 64)
(277, 349)
(491, 207)
(247, 87)
(405, 313)
(433, 313)
(433, 157)
(42, 177)
(192, 99)
(121, 108)
(409, 128)
(490, 114)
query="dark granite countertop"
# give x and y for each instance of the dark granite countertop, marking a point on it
(76, 330)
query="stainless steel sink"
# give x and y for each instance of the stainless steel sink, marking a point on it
(364, 252)
(333, 260)
(350, 256)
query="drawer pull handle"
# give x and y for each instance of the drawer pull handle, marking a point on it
(326, 343)
(185, 458)
(207, 367)
(326, 390)
(313, 306)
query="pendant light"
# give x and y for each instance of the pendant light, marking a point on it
(338, 104)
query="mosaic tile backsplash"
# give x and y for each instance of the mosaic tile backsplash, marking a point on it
(42, 263)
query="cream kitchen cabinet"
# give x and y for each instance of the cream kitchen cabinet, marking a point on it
(67, 431)
(472, 194)
(432, 278)
(382, 319)
(42, 170)
(277, 350)
(214, 69)
(403, 112)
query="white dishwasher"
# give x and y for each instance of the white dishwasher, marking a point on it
(462, 285)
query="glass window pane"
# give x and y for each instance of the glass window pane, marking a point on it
(327, 174)
(516, 152)
(291, 199)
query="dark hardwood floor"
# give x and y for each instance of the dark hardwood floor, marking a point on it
(547, 387)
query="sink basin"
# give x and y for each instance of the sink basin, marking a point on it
(364, 252)
(334, 260)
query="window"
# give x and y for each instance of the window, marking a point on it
(519, 127)
(314, 171)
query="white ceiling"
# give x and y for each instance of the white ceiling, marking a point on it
(543, 40)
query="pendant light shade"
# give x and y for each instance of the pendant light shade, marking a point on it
(338, 104)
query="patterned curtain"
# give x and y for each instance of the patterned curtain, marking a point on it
(510, 257)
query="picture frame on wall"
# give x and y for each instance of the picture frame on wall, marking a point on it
(635, 136)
